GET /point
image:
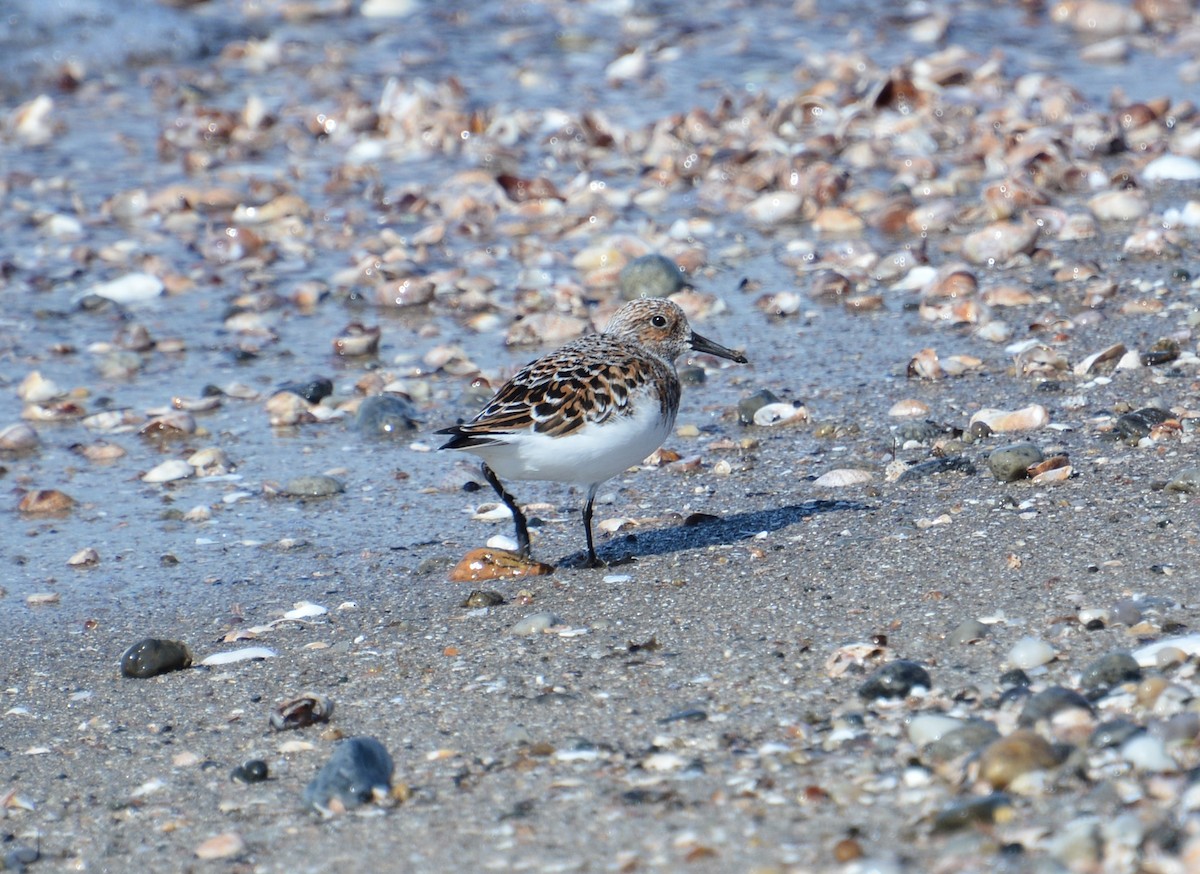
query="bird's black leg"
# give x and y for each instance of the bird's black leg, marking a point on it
(518, 516)
(587, 526)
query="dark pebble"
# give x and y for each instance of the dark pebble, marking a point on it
(359, 771)
(313, 391)
(1015, 677)
(692, 374)
(919, 432)
(1050, 702)
(747, 407)
(692, 714)
(253, 771)
(1126, 612)
(1111, 670)
(1132, 427)
(976, 811)
(895, 680)
(1114, 732)
(950, 464)
(386, 416)
(153, 656)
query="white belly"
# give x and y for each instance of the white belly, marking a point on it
(593, 454)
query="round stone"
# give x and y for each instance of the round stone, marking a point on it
(895, 680)
(1011, 463)
(1050, 702)
(1005, 759)
(386, 416)
(1111, 670)
(154, 656)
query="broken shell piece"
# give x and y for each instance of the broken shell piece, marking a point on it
(925, 365)
(1025, 419)
(288, 408)
(1093, 362)
(36, 389)
(45, 501)
(909, 408)
(308, 709)
(842, 477)
(85, 558)
(780, 414)
(210, 461)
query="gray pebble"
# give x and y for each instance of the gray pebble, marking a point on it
(1114, 732)
(650, 276)
(1009, 463)
(386, 416)
(968, 631)
(1111, 670)
(359, 771)
(919, 432)
(1126, 612)
(975, 811)
(536, 623)
(972, 736)
(319, 486)
(1049, 702)
(895, 680)
(1179, 728)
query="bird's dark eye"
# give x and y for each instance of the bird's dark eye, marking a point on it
(659, 321)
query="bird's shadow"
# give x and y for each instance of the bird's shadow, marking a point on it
(709, 532)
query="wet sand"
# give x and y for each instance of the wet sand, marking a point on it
(696, 705)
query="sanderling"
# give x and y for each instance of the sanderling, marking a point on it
(589, 410)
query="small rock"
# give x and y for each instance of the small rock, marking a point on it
(358, 772)
(1111, 670)
(896, 679)
(1114, 732)
(1050, 702)
(481, 598)
(650, 276)
(925, 728)
(154, 656)
(1187, 481)
(1132, 427)
(386, 416)
(319, 486)
(1006, 758)
(301, 712)
(1148, 754)
(1011, 463)
(989, 810)
(252, 771)
(314, 391)
(85, 558)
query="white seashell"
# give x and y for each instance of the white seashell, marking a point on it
(1148, 754)
(1119, 206)
(491, 513)
(1025, 419)
(780, 414)
(663, 761)
(1087, 365)
(31, 122)
(288, 408)
(1131, 360)
(18, 437)
(1054, 475)
(36, 389)
(1178, 168)
(502, 541)
(305, 610)
(773, 207)
(387, 8)
(1030, 652)
(86, 557)
(239, 655)
(199, 513)
(169, 471)
(628, 67)
(1000, 242)
(1147, 656)
(842, 477)
(925, 728)
(909, 408)
(131, 288)
(957, 365)
(995, 331)
(925, 365)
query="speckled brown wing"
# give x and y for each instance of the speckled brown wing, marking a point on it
(588, 381)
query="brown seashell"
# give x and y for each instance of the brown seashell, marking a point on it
(863, 303)
(925, 365)
(288, 408)
(954, 283)
(1000, 242)
(99, 451)
(85, 558)
(45, 501)
(1054, 462)
(1008, 296)
(170, 426)
(520, 190)
(60, 411)
(830, 285)
(1092, 363)
(549, 329)
(909, 408)
(496, 564)
(1119, 206)
(306, 710)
